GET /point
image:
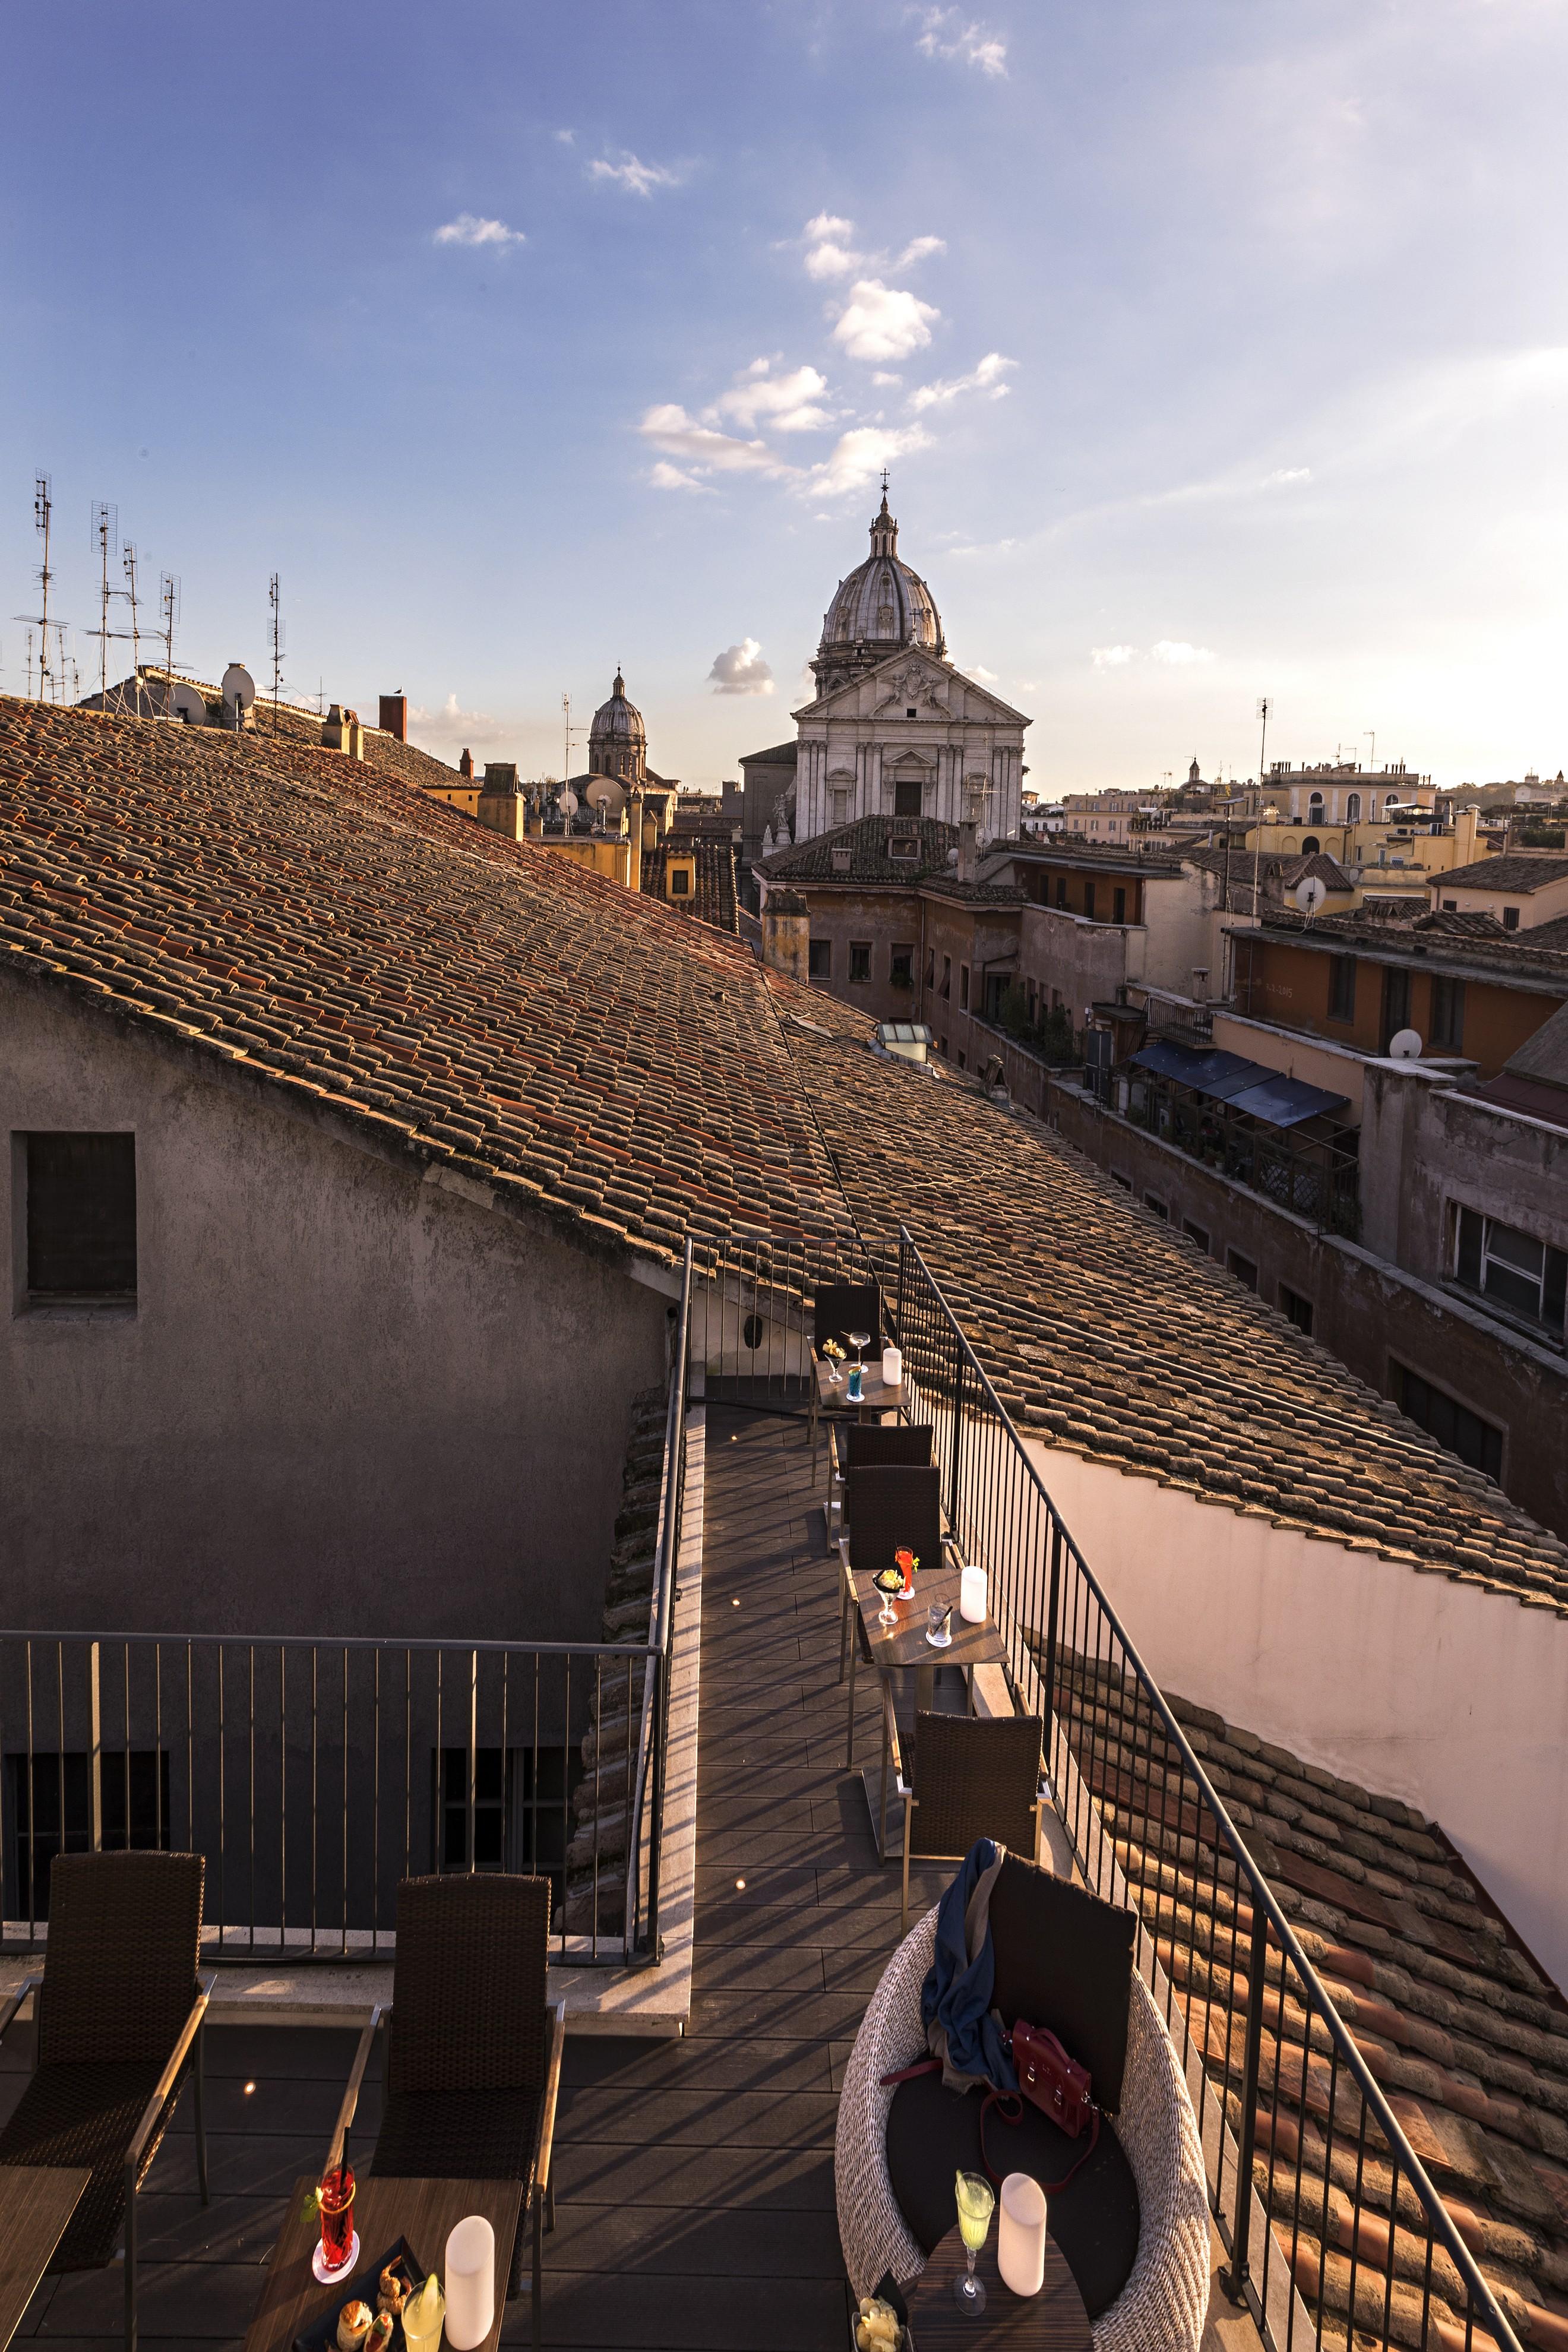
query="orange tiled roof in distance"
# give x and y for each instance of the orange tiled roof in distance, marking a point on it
(368, 949)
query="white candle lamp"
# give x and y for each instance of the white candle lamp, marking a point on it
(470, 2283)
(892, 1368)
(972, 1595)
(1021, 2234)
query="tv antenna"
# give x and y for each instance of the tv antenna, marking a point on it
(106, 531)
(568, 730)
(129, 591)
(43, 509)
(168, 610)
(275, 602)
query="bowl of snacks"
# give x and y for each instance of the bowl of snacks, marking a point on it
(881, 2324)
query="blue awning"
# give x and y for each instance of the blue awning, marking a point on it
(1249, 1086)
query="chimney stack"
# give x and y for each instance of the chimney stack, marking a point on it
(786, 934)
(394, 715)
(466, 764)
(967, 833)
(634, 832)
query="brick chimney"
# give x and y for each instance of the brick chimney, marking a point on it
(786, 934)
(394, 715)
(466, 764)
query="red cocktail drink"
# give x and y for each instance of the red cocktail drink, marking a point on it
(337, 2201)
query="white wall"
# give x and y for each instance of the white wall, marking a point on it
(1447, 1695)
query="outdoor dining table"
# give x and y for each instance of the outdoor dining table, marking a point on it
(902, 1647)
(877, 1397)
(386, 2208)
(39, 2202)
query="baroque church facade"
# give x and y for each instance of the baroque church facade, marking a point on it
(895, 729)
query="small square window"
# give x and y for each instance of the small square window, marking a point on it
(1450, 906)
(1298, 1310)
(819, 959)
(1243, 1268)
(861, 959)
(1196, 1232)
(81, 1218)
(680, 881)
(911, 712)
(1511, 919)
(1117, 1178)
(1161, 1208)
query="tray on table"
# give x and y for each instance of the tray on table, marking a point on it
(362, 2286)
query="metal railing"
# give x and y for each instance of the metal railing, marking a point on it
(314, 1775)
(1323, 2207)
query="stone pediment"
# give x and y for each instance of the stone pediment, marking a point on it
(910, 678)
(912, 681)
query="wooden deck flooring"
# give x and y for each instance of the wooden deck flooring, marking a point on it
(694, 2180)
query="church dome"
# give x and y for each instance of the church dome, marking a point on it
(880, 606)
(618, 720)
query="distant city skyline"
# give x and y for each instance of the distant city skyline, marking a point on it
(1214, 354)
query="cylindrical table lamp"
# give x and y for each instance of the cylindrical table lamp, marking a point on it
(972, 1595)
(892, 1367)
(470, 2283)
(1021, 2234)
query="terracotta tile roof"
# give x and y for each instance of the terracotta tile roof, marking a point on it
(1539, 954)
(1515, 870)
(1467, 2039)
(569, 1043)
(865, 843)
(1109, 1335)
(714, 899)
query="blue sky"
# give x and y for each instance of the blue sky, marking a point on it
(1215, 350)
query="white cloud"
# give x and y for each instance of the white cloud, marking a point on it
(470, 229)
(946, 35)
(453, 727)
(825, 225)
(980, 674)
(1112, 657)
(741, 669)
(788, 403)
(920, 248)
(1176, 654)
(859, 457)
(986, 377)
(883, 322)
(829, 253)
(1283, 474)
(883, 376)
(638, 179)
(829, 259)
(669, 428)
(666, 476)
(568, 138)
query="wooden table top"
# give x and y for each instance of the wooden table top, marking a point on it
(37, 2200)
(422, 2212)
(1052, 2321)
(877, 1396)
(904, 1644)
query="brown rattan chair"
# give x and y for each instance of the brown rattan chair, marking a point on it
(864, 1444)
(891, 1503)
(119, 2016)
(473, 2047)
(969, 1777)
(838, 1308)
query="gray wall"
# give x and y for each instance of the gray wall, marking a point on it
(347, 1401)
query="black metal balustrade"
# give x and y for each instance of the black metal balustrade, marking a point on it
(1315, 1175)
(1323, 2207)
(314, 1775)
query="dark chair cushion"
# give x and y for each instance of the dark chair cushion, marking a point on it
(890, 1505)
(898, 1441)
(1064, 1961)
(458, 2136)
(933, 2133)
(87, 2116)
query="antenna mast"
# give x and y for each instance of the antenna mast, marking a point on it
(1258, 838)
(169, 607)
(275, 601)
(135, 631)
(43, 509)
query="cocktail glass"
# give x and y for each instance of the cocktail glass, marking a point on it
(336, 2199)
(422, 2316)
(859, 1342)
(888, 1581)
(976, 2203)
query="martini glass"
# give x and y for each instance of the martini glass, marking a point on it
(889, 1582)
(859, 1342)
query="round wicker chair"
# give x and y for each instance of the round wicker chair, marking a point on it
(1162, 2306)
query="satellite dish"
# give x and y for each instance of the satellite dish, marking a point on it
(239, 687)
(1310, 893)
(602, 793)
(567, 802)
(1405, 1045)
(188, 704)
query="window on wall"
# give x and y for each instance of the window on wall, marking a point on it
(1453, 1424)
(947, 976)
(838, 802)
(82, 1219)
(1062, 891)
(49, 1811)
(907, 796)
(930, 967)
(1447, 1016)
(1196, 1232)
(1353, 809)
(963, 986)
(1298, 1309)
(1089, 900)
(1511, 919)
(1161, 1208)
(1244, 1269)
(859, 959)
(1526, 1275)
(1342, 988)
(1118, 906)
(819, 959)
(901, 967)
(1395, 1005)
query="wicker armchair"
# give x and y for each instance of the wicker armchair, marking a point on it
(119, 2016)
(863, 1446)
(1162, 2306)
(968, 1778)
(891, 1503)
(473, 2048)
(840, 1307)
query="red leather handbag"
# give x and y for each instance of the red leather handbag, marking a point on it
(1053, 2082)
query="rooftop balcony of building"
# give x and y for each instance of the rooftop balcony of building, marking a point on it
(1364, 2071)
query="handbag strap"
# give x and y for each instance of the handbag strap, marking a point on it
(1002, 2100)
(908, 2073)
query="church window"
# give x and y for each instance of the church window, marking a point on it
(911, 712)
(840, 798)
(906, 796)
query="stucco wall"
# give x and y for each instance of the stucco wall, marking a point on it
(347, 1400)
(1435, 1150)
(1444, 1694)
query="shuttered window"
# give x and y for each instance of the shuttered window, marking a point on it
(81, 1216)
